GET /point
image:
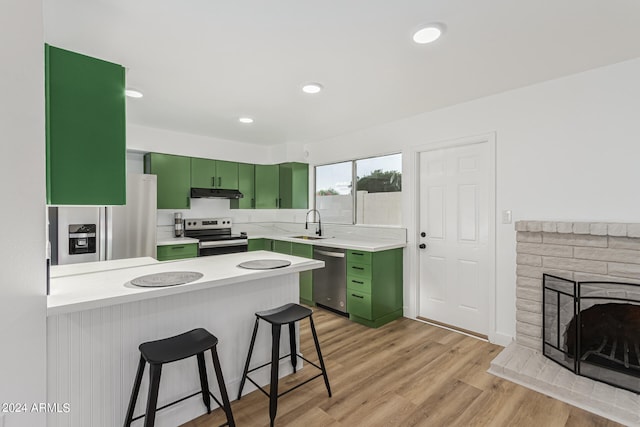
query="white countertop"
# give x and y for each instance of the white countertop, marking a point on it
(94, 267)
(169, 240)
(101, 288)
(359, 243)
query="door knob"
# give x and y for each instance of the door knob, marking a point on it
(422, 246)
(423, 234)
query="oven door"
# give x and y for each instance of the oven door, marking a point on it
(219, 247)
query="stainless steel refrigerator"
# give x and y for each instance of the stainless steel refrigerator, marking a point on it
(85, 234)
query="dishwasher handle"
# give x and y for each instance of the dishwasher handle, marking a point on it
(331, 254)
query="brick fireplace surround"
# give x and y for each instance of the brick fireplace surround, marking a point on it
(579, 251)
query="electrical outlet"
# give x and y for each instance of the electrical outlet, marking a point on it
(506, 217)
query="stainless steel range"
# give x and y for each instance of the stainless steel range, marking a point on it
(215, 236)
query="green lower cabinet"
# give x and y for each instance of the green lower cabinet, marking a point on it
(255, 245)
(282, 247)
(173, 252)
(260, 245)
(374, 286)
(306, 277)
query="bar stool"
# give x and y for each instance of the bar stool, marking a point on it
(287, 314)
(157, 353)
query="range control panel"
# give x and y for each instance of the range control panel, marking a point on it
(206, 223)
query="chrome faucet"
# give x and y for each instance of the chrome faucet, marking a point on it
(306, 221)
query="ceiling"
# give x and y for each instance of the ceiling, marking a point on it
(203, 63)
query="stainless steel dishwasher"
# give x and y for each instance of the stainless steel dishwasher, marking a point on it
(330, 282)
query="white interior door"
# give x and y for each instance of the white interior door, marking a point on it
(454, 236)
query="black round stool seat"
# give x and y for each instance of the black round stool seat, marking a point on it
(178, 347)
(285, 314)
(157, 353)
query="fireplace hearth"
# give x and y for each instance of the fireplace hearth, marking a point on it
(583, 252)
(593, 329)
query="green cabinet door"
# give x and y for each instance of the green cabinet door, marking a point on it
(209, 173)
(306, 277)
(282, 247)
(374, 286)
(174, 179)
(226, 175)
(246, 185)
(85, 129)
(294, 185)
(172, 252)
(256, 245)
(267, 186)
(203, 173)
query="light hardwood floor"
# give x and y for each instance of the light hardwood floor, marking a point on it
(405, 373)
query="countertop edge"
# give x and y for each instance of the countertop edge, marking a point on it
(175, 241)
(174, 290)
(338, 243)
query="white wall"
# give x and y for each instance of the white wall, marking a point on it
(567, 149)
(22, 178)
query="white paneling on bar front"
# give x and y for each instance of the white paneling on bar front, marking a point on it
(93, 354)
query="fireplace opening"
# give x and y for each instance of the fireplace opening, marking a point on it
(593, 329)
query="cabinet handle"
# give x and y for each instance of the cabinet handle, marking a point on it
(357, 268)
(213, 181)
(276, 202)
(177, 247)
(219, 181)
(279, 202)
(253, 203)
(357, 296)
(358, 282)
(188, 202)
(357, 253)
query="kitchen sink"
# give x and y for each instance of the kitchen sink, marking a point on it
(310, 237)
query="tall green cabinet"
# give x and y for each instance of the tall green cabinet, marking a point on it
(267, 186)
(174, 179)
(85, 129)
(294, 185)
(246, 185)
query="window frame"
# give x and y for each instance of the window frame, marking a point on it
(354, 182)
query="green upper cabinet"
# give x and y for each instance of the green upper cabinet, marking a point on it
(294, 185)
(246, 185)
(85, 129)
(174, 179)
(207, 173)
(267, 186)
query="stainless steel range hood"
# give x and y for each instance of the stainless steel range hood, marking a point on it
(215, 193)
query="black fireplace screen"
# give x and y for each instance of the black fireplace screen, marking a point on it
(593, 329)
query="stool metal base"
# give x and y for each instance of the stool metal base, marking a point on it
(277, 318)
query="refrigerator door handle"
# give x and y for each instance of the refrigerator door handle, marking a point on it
(106, 235)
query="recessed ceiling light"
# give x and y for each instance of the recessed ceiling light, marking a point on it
(428, 34)
(132, 93)
(245, 120)
(312, 88)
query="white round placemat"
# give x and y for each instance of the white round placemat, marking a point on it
(169, 278)
(264, 264)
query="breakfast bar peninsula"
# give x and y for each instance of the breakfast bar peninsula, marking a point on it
(97, 319)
